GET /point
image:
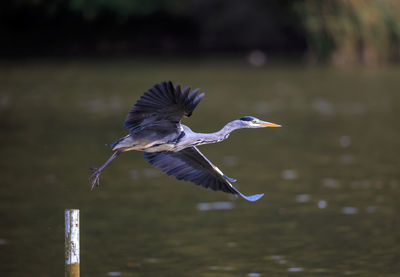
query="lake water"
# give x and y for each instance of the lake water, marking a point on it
(331, 174)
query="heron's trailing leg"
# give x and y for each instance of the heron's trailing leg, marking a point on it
(95, 177)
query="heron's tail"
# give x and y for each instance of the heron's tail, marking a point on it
(123, 143)
(112, 145)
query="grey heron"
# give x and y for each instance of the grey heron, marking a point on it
(154, 125)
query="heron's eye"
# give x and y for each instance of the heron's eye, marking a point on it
(254, 121)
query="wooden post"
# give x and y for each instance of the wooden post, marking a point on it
(72, 268)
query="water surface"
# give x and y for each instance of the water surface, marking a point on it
(330, 175)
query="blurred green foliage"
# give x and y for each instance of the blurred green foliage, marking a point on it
(341, 32)
(351, 32)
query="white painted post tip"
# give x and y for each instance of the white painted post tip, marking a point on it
(72, 267)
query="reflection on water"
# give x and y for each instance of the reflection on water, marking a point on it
(323, 107)
(330, 175)
(345, 141)
(289, 174)
(230, 161)
(279, 259)
(100, 105)
(295, 269)
(327, 108)
(347, 158)
(350, 210)
(114, 273)
(303, 198)
(218, 205)
(145, 173)
(331, 183)
(322, 204)
(371, 209)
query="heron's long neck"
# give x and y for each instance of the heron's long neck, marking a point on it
(218, 136)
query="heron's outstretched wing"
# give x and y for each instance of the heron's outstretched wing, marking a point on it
(161, 108)
(191, 165)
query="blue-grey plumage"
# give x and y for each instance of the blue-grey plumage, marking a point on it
(154, 128)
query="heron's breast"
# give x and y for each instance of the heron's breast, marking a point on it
(160, 147)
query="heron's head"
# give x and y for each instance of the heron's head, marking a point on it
(252, 122)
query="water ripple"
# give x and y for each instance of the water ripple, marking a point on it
(219, 205)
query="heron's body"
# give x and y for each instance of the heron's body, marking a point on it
(176, 142)
(155, 129)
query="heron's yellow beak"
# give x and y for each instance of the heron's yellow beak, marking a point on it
(268, 124)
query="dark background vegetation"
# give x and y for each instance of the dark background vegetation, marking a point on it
(336, 31)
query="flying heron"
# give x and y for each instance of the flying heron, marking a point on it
(154, 125)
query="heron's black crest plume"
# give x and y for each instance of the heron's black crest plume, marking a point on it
(247, 118)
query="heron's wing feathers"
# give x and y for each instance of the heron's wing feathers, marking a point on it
(191, 165)
(162, 108)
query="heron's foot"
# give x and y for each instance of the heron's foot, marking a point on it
(94, 179)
